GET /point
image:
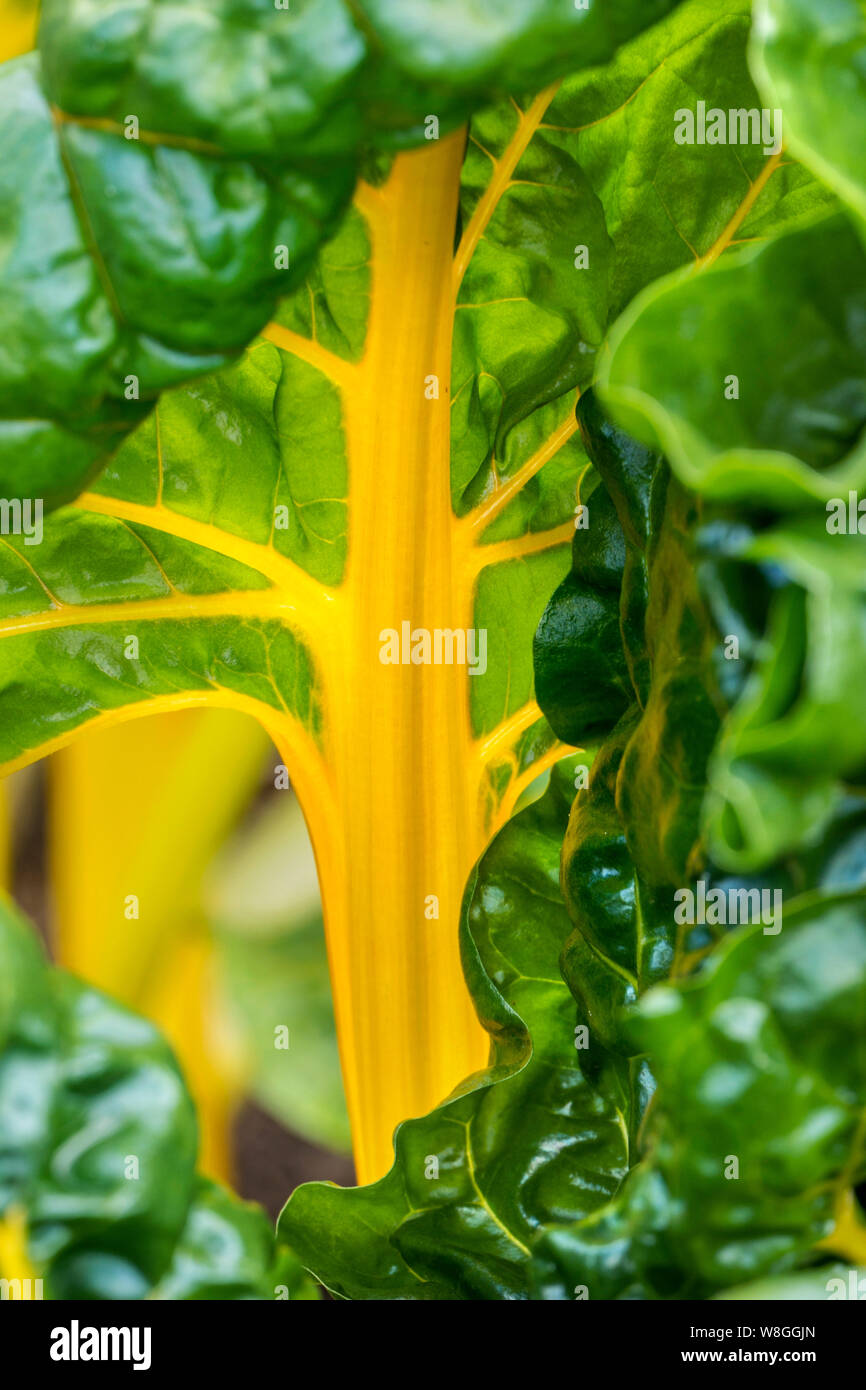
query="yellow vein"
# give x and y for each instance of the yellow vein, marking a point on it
(297, 589)
(256, 604)
(19, 555)
(504, 734)
(503, 169)
(470, 1161)
(518, 785)
(492, 505)
(146, 137)
(340, 372)
(278, 726)
(532, 543)
(755, 190)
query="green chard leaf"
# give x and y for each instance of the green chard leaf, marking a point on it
(172, 170)
(811, 61)
(774, 437)
(756, 1123)
(793, 747)
(632, 598)
(97, 1157)
(717, 652)
(654, 578)
(745, 415)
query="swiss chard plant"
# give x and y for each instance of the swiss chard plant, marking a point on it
(442, 463)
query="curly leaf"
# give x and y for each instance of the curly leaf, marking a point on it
(746, 414)
(756, 1126)
(98, 1149)
(790, 441)
(809, 60)
(794, 739)
(636, 833)
(517, 1145)
(629, 628)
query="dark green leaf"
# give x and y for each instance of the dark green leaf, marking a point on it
(756, 1123)
(98, 1148)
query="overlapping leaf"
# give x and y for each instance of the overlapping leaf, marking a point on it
(791, 440)
(791, 433)
(809, 60)
(756, 1124)
(98, 1149)
(767, 413)
(171, 170)
(759, 610)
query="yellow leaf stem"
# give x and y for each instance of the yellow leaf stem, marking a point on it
(398, 741)
(405, 769)
(18, 20)
(137, 811)
(15, 1265)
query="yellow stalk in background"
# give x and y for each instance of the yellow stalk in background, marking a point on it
(137, 812)
(184, 1002)
(14, 1258)
(18, 19)
(5, 839)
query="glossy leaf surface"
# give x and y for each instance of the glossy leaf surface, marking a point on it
(747, 375)
(172, 170)
(756, 1121)
(99, 1144)
(810, 61)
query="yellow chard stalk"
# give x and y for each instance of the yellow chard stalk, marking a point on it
(18, 20)
(406, 813)
(265, 543)
(5, 839)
